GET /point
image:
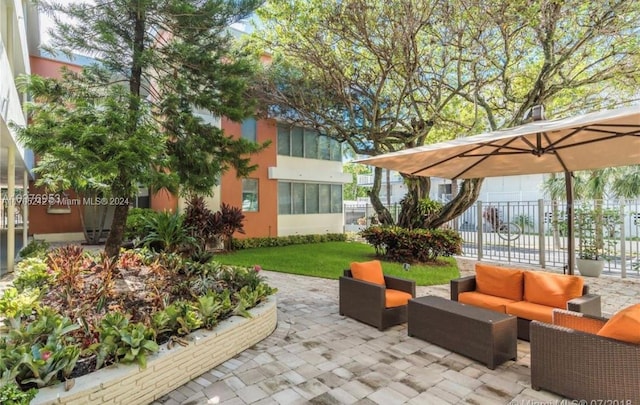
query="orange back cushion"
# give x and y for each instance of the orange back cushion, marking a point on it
(368, 271)
(551, 289)
(625, 325)
(499, 281)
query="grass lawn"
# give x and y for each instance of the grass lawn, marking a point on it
(329, 259)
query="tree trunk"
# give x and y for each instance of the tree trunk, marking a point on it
(417, 189)
(469, 192)
(384, 216)
(116, 235)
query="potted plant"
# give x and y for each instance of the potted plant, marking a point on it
(596, 230)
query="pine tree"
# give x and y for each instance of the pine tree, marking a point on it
(176, 59)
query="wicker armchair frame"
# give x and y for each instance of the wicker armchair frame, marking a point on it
(567, 358)
(365, 302)
(586, 304)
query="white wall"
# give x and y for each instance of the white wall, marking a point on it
(512, 188)
(309, 224)
(308, 170)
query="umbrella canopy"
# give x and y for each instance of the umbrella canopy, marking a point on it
(591, 141)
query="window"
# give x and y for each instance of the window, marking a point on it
(284, 198)
(324, 148)
(284, 141)
(310, 144)
(249, 129)
(336, 198)
(297, 197)
(325, 198)
(297, 142)
(309, 198)
(307, 143)
(249, 195)
(336, 150)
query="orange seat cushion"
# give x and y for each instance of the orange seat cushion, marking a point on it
(368, 271)
(531, 311)
(499, 281)
(485, 301)
(551, 289)
(395, 298)
(625, 325)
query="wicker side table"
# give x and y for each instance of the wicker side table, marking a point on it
(487, 336)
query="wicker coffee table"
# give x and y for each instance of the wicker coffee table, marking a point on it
(487, 336)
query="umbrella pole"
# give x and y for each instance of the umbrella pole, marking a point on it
(571, 243)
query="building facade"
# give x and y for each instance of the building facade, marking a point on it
(19, 35)
(296, 188)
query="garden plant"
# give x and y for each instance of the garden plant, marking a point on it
(70, 311)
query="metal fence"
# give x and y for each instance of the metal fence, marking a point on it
(531, 232)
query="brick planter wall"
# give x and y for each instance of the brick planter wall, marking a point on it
(168, 369)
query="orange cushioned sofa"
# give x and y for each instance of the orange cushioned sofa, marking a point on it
(529, 295)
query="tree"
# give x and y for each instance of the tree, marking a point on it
(385, 76)
(352, 190)
(177, 57)
(80, 134)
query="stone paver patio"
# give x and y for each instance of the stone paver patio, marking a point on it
(317, 356)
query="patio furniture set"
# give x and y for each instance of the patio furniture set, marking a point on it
(574, 351)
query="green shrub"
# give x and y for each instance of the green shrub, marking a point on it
(413, 245)
(125, 342)
(251, 243)
(166, 232)
(35, 248)
(32, 272)
(11, 394)
(137, 221)
(39, 352)
(14, 304)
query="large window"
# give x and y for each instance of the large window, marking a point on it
(284, 141)
(297, 142)
(309, 198)
(249, 195)
(284, 198)
(307, 143)
(249, 130)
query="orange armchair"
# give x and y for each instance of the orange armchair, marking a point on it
(370, 297)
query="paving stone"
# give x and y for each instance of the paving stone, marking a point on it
(311, 388)
(308, 371)
(404, 389)
(462, 379)
(343, 396)
(342, 373)
(324, 399)
(219, 390)
(330, 380)
(234, 383)
(252, 376)
(387, 396)
(357, 389)
(251, 394)
(274, 384)
(288, 396)
(293, 377)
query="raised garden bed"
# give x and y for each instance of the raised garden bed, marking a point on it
(169, 368)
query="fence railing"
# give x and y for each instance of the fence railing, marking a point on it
(531, 232)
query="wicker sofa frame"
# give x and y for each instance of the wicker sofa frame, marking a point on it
(569, 359)
(365, 301)
(587, 303)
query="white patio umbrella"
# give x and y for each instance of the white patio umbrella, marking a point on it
(591, 141)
